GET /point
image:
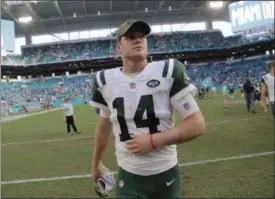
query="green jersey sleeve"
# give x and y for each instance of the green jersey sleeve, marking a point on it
(181, 85)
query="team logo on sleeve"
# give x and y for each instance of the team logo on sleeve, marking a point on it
(153, 83)
(186, 106)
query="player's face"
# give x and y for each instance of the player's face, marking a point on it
(133, 46)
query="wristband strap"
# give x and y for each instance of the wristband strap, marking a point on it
(152, 142)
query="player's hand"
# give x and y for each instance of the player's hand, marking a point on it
(140, 144)
(96, 174)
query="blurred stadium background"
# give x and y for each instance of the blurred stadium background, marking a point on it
(51, 49)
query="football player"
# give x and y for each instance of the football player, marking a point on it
(267, 89)
(137, 103)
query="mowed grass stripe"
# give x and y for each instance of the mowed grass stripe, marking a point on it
(94, 123)
(65, 158)
(180, 165)
(83, 137)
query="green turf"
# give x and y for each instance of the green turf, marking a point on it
(226, 137)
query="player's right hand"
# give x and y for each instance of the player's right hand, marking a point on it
(96, 173)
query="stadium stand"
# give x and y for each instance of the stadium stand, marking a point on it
(51, 92)
(158, 43)
(39, 94)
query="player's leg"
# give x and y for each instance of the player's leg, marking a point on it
(129, 185)
(272, 109)
(247, 99)
(73, 125)
(231, 94)
(168, 184)
(68, 125)
(252, 103)
(225, 101)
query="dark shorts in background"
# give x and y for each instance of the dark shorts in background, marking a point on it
(272, 109)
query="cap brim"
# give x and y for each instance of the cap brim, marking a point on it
(139, 26)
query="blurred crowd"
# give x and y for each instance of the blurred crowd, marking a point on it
(225, 72)
(51, 92)
(45, 93)
(157, 43)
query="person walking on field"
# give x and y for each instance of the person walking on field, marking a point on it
(267, 89)
(68, 111)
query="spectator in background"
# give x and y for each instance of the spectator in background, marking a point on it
(69, 116)
(249, 95)
(267, 89)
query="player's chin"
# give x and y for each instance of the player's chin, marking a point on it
(139, 56)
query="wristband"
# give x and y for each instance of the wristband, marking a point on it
(152, 142)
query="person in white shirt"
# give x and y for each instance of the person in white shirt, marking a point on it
(267, 89)
(69, 116)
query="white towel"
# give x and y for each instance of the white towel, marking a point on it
(106, 182)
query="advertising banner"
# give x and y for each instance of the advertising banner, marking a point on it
(245, 15)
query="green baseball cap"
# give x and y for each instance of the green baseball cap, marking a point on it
(140, 26)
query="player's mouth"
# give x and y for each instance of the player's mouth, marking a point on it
(138, 47)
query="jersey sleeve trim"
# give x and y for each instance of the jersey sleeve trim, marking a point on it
(263, 79)
(102, 77)
(97, 100)
(165, 68)
(189, 89)
(171, 67)
(180, 80)
(99, 106)
(104, 113)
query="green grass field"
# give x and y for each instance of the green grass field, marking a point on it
(38, 148)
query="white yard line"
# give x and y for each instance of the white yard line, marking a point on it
(45, 141)
(17, 117)
(237, 120)
(93, 123)
(181, 165)
(83, 137)
(225, 159)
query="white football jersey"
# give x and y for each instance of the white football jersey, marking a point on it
(268, 80)
(143, 104)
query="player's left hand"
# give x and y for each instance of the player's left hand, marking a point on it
(140, 144)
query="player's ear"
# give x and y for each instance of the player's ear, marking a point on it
(118, 49)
